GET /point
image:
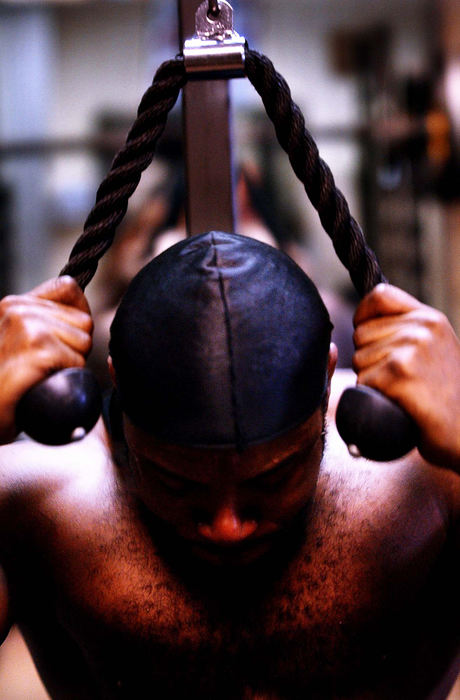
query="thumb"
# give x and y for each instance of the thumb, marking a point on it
(62, 290)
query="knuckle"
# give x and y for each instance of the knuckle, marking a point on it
(86, 344)
(38, 334)
(47, 359)
(82, 324)
(14, 324)
(436, 319)
(372, 378)
(356, 364)
(9, 300)
(429, 317)
(50, 359)
(10, 306)
(77, 360)
(427, 327)
(424, 337)
(88, 324)
(89, 343)
(358, 360)
(395, 366)
(400, 363)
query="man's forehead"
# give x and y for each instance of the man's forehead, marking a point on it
(255, 458)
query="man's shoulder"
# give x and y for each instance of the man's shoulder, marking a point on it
(395, 505)
(410, 481)
(31, 472)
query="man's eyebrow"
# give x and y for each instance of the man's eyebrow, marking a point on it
(275, 469)
(283, 463)
(169, 473)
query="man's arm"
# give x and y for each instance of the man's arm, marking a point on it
(410, 353)
(40, 332)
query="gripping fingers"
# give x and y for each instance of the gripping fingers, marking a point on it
(372, 344)
(23, 329)
(15, 308)
(385, 300)
(385, 369)
(368, 356)
(52, 359)
(376, 330)
(75, 338)
(67, 314)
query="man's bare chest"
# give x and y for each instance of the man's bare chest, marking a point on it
(318, 618)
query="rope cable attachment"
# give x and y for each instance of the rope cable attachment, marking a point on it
(344, 231)
(125, 172)
(136, 155)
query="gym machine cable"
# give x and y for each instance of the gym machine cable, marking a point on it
(66, 405)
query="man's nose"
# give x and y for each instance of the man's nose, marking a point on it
(227, 526)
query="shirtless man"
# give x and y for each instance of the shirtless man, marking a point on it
(201, 542)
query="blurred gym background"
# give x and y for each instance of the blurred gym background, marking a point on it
(378, 82)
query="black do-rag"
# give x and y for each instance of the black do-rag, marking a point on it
(220, 341)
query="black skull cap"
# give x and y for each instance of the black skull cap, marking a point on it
(220, 341)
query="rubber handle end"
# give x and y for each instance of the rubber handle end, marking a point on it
(62, 408)
(374, 427)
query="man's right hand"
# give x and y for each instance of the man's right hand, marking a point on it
(409, 352)
(45, 330)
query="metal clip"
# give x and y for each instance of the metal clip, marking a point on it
(216, 51)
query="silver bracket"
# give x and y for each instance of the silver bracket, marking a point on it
(216, 51)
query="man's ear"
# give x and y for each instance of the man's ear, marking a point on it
(331, 365)
(111, 370)
(332, 360)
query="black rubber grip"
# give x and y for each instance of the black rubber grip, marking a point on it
(62, 408)
(373, 426)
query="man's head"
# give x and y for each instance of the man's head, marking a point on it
(220, 341)
(220, 353)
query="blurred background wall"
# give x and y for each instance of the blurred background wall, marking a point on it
(377, 80)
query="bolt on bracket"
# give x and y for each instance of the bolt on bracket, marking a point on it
(216, 51)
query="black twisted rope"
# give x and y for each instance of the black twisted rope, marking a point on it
(125, 172)
(345, 233)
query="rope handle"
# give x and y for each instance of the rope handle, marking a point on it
(80, 398)
(346, 234)
(126, 170)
